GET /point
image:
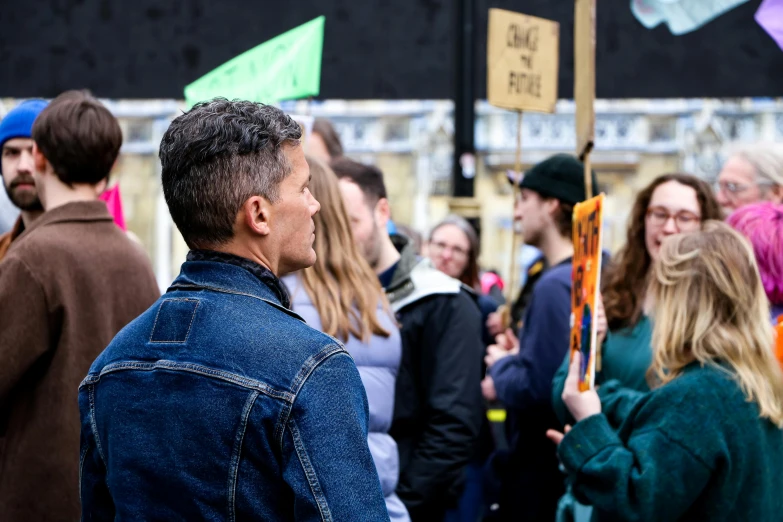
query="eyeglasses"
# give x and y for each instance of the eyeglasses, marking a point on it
(731, 188)
(437, 247)
(684, 220)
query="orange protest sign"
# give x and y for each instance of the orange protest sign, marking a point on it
(585, 284)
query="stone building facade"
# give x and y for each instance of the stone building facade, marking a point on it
(411, 142)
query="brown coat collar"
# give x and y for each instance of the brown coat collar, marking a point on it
(76, 211)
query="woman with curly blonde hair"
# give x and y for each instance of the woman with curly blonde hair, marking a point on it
(706, 442)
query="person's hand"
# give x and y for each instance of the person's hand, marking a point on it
(488, 389)
(508, 341)
(556, 436)
(601, 324)
(494, 324)
(494, 354)
(505, 344)
(580, 404)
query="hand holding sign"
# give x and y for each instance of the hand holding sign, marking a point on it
(581, 404)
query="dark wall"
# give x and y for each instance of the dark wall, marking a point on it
(373, 49)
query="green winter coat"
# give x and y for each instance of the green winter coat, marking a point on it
(694, 450)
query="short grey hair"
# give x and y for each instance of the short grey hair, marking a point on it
(766, 159)
(216, 156)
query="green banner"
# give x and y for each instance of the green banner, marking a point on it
(284, 68)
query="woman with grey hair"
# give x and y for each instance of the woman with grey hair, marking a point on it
(753, 173)
(454, 249)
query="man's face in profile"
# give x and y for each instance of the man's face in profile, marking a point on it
(364, 222)
(293, 215)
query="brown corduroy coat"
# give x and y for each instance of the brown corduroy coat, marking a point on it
(68, 285)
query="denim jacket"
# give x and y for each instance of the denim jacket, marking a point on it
(219, 403)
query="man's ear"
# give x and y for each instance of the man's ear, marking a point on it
(551, 205)
(382, 212)
(39, 160)
(256, 214)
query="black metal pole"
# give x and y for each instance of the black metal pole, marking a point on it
(464, 169)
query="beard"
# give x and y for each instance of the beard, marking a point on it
(372, 251)
(24, 200)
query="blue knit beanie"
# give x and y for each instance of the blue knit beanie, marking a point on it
(18, 123)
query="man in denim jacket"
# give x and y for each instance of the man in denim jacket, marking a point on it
(219, 403)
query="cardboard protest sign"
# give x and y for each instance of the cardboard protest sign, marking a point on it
(584, 74)
(283, 68)
(522, 61)
(585, 284)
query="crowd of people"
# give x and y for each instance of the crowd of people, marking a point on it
(315, 360)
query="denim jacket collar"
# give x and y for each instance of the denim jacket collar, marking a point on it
(232, 274)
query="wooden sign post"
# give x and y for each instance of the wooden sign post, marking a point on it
(584, 83)
(587, 265)
(522, 66)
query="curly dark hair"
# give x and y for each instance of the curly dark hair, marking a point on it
(626, 277)
(216, 156)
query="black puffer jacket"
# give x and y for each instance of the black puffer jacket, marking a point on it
(438, 405)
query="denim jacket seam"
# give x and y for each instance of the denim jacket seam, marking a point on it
(282, 420)
(94, 425)
(197, 369)
(301, 377)
(191, 287)
(236, 454)
(311, 363)
(190, 326)
(309, 471)
(81, 468)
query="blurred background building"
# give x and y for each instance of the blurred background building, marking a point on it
(412, 142)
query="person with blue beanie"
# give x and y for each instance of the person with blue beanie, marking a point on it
(16, 151)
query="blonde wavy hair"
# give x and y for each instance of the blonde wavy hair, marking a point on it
(342, 286)
(710, 307)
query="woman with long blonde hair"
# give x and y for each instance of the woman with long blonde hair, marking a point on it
(706, 443)
(341, 296)
(671, 204)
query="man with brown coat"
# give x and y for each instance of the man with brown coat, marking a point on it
(68, 285)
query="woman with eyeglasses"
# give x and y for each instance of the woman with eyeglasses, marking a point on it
(751, 174)
(453, 248)
(706, 442)
(671, 204)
